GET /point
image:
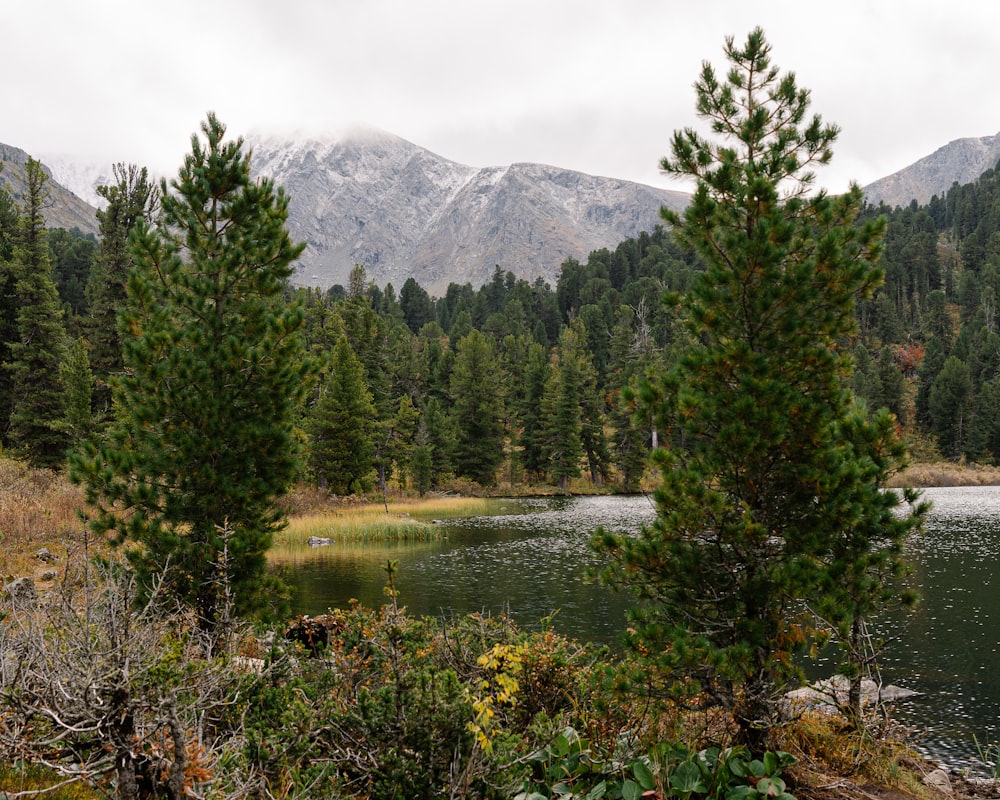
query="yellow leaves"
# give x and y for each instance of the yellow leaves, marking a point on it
(498, 689)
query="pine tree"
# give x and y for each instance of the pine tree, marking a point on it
(592, 408)
(771, 494)
(950, 405)
(36, 355)
(78, 386)
(532, 438)
(630, 450)
(421, 462)
(132, 196)
(340, 427)
(561, 415)
(203, 443)
(477, 410)
(440, 433)
(9, 218)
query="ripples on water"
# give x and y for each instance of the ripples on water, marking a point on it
(531, 559)
(947, 648)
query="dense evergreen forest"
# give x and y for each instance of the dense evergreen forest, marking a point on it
(513, 382)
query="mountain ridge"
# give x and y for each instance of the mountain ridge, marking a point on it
(960, 161)
(372, 198)
(65, 209)
(402, 211)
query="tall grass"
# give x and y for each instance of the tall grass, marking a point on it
(38, 508)
(946, 473)
(36, 780)
(410, 520)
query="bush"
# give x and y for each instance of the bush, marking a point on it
(403, 707)
(570, 767)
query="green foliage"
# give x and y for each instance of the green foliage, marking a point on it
(771, 496)
(72, 254)
(477, 410)
(406, 708)
(203, 442)
(561, 415)
(78, 384)
(39, 345)
(571, 768)
(341, 426)
(131, 197)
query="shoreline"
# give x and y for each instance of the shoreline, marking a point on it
(940, 474)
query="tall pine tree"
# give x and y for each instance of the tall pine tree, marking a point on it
(132, 196)
(771, 498)
(563, 447)
(36, 354)
(341, 425)
(477, 410)
(203, 443)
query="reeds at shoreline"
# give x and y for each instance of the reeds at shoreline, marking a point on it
(410, 520)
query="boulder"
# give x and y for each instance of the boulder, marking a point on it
(828, 695)
(938, 779)
(22, 592)
(313, 633)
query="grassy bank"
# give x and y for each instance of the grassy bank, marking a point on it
(40, 508)
(947, 473)
(400, 520)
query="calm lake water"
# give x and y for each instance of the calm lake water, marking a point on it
(530, 558)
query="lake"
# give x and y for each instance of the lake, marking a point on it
(530, 558)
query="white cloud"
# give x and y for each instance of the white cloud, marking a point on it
(587, 85)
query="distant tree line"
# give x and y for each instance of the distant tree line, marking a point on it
(432, 402)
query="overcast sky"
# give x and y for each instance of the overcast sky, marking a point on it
(591, 85)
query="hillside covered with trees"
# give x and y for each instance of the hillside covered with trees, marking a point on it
(514, 382)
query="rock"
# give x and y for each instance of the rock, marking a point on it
(22, 592)
(250, 665)
(43, 554)
(318, 541)
(828, 694)
(49, 575)
(938, 779)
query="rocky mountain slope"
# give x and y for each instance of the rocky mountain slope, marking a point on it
(402, 211)
(65, 209)
(374, 199)
(961, 161)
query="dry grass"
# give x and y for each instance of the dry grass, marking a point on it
(947, 473)
(408, 520)
(38, 508)
(35, 780)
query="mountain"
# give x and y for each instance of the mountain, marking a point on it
(961, 161)
(375, 199)
(64, 210)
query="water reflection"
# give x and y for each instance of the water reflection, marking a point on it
(530, 560)
(947, 649)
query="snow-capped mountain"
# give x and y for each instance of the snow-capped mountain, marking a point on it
(402, 211)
